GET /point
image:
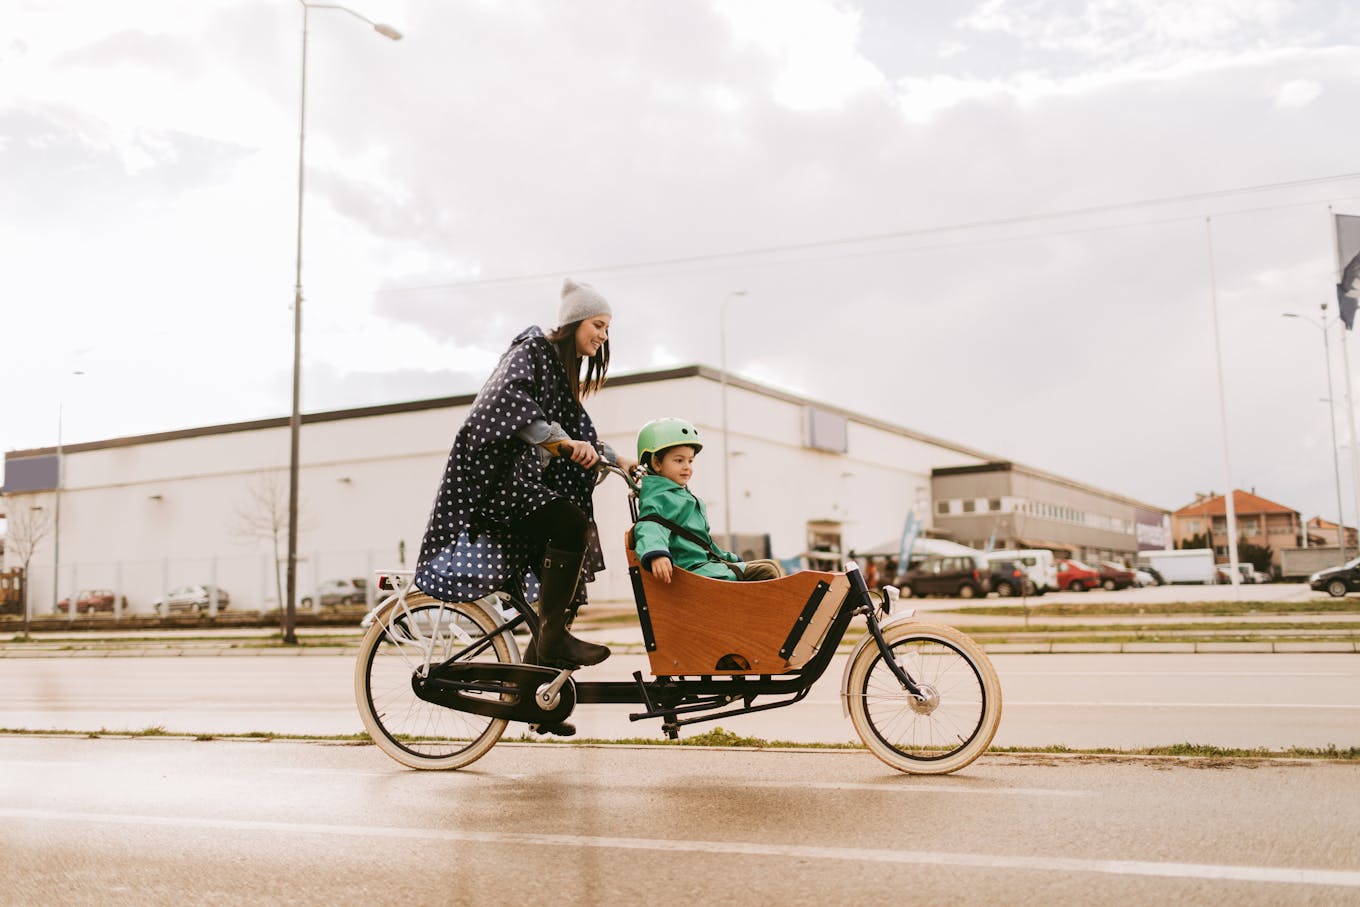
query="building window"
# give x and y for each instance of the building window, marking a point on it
(969, 505)
(942, 508)
(825, 430)
(994, 504)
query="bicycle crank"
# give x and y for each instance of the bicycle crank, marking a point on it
(529, 693)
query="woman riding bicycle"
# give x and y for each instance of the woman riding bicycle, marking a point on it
(507, 506)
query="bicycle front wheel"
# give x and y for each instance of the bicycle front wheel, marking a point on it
(408, 638)
(955, 720)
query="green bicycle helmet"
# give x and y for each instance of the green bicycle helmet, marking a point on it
(659, 434)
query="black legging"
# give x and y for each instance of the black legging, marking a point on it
(558, 523)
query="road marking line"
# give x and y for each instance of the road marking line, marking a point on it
(329, 771)
(1067, 703)
(1207, 871)
(44, 763)
(1146, 675)
(778, 785)
(914, 788)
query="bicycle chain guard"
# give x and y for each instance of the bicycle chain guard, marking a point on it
(497, 691)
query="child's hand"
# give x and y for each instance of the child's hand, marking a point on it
(661, 569)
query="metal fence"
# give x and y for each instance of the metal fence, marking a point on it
(245, 582)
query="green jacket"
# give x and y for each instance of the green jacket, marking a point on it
(664, 498)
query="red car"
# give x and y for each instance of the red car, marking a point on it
(92, 600)
(1074, 576)
(1115, 576)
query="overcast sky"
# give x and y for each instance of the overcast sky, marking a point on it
(931, 207)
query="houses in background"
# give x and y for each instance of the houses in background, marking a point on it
(1260, 521)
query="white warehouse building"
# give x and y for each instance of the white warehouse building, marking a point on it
(142, 515)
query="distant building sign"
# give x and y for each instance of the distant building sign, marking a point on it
(1154, 530)
(30, 473)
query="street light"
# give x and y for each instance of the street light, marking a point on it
(56, 507)
(727, 446)
(1331, 412)
(295, 421)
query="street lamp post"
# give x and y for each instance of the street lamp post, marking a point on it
(1331, 412)
(56, 515)
(295, 421)
(727, 444)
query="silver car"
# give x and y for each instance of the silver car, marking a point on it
(191, 599)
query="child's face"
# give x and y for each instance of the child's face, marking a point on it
(675, 463)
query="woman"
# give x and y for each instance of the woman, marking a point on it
(516, 495)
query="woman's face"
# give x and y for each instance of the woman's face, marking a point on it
(591, 335)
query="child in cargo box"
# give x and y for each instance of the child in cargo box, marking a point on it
(672, 527)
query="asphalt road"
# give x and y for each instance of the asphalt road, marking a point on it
(150, 821)
(1080, 701)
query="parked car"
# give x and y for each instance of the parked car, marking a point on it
(1074, 576)
(93, 600)
(1153, 573)
(962, 575)
(1247, 573)
(192, 599)
(1114, 575)
(346, 591)
(1037, 562)
(1142, 579)
(1337, 581)
(1009, 578)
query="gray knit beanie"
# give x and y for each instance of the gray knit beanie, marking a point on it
(579, 302)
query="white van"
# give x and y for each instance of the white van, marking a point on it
(1038, 563)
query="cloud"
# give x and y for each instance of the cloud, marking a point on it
(454, 177)
(1297, 93)
(1103, 29)
(814, 46)
(163, 52)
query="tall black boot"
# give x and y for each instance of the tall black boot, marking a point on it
(555, 647)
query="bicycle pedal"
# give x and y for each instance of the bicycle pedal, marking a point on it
(561, 729)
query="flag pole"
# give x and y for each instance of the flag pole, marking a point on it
(1233, 574)
(1336, 469)
(1346, 364)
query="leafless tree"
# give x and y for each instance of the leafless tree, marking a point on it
(264, 516)
(28, 526)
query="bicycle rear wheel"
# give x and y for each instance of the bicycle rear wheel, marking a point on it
(410, 638)
(958, 717)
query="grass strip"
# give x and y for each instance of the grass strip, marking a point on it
(1080, 609)
(718, 737)
(1161, 626)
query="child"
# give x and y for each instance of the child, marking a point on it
(672, 525)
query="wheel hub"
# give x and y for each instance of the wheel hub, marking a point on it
(927, 702)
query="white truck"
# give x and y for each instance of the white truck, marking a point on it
(1186, 565)
(1301, 563)
(1038, 563)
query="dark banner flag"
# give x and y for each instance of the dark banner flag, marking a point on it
(1348, 263)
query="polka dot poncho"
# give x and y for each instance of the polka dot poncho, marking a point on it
(494, 479)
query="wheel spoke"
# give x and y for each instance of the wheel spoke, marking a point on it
(954, 705)
(412, 639)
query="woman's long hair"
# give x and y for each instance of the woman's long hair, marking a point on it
(564, 339)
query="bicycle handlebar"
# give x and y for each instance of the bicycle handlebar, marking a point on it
(605, 467)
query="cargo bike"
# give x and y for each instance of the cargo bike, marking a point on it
(438, 683)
